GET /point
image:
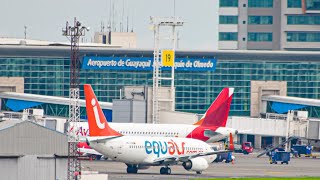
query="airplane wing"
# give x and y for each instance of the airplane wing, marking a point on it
(186, 157)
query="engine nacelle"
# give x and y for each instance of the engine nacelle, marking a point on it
(196, 164)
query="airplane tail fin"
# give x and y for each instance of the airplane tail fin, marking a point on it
(217, 114)
(98, 125)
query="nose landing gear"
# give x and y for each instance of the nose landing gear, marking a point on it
(165, 170)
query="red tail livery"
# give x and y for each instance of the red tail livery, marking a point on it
(217, 114)
(96, 118)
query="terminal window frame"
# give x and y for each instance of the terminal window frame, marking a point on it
(260, 36)
(228, 36)
(263, 20)
(228, 19)
(228, 3)
(260, 3)
(294, 3)
(312, 4)
(303, 37)
(303, 20)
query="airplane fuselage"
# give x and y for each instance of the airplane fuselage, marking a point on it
(207, 134)
(148, 150)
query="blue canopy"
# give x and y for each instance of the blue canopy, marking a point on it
(285, 107)
(18, 105)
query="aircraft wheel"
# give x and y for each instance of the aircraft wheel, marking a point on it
(165, 170)
(162, 170)
(168, 170)
(199, 172)
(128, 170)
(135, 170)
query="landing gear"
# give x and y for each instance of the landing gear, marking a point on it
(199, 172)
(132, 169)
(165, 170)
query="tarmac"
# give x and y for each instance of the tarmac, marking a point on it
(244, 166)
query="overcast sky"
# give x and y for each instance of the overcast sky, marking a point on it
(46, 18)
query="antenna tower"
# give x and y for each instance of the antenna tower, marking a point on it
(158, 22)
(74, 32)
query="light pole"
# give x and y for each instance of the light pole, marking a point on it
(74, 32)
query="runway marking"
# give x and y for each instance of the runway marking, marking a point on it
(274, 172)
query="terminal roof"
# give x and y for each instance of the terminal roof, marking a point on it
(47, 99)
(291, 100)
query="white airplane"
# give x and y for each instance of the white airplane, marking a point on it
(210, 128)
(85, 150)
(144, 151)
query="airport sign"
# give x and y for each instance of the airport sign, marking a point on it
(146, 63)
(167, 58)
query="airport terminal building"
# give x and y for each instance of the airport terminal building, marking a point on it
(45, 70)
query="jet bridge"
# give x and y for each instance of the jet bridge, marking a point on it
(282, 104)
(47, 99)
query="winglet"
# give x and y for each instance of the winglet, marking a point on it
(98, 125)
(217, 114)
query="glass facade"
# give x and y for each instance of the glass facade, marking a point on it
(228, 3)
(294, 4)
(303, 20)
(260, 20)
(195, 90)
(300, 77)
(303, 36)
(259, 36)
(228, 36)
(260, 3)
(312, 5)
(228, 19)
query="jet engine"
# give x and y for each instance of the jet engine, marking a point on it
(197, 164)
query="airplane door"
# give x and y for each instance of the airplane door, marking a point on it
(120, 149)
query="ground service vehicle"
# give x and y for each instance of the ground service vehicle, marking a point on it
(277, 155)
(245, 148)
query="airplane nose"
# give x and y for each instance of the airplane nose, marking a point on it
(236, 132)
